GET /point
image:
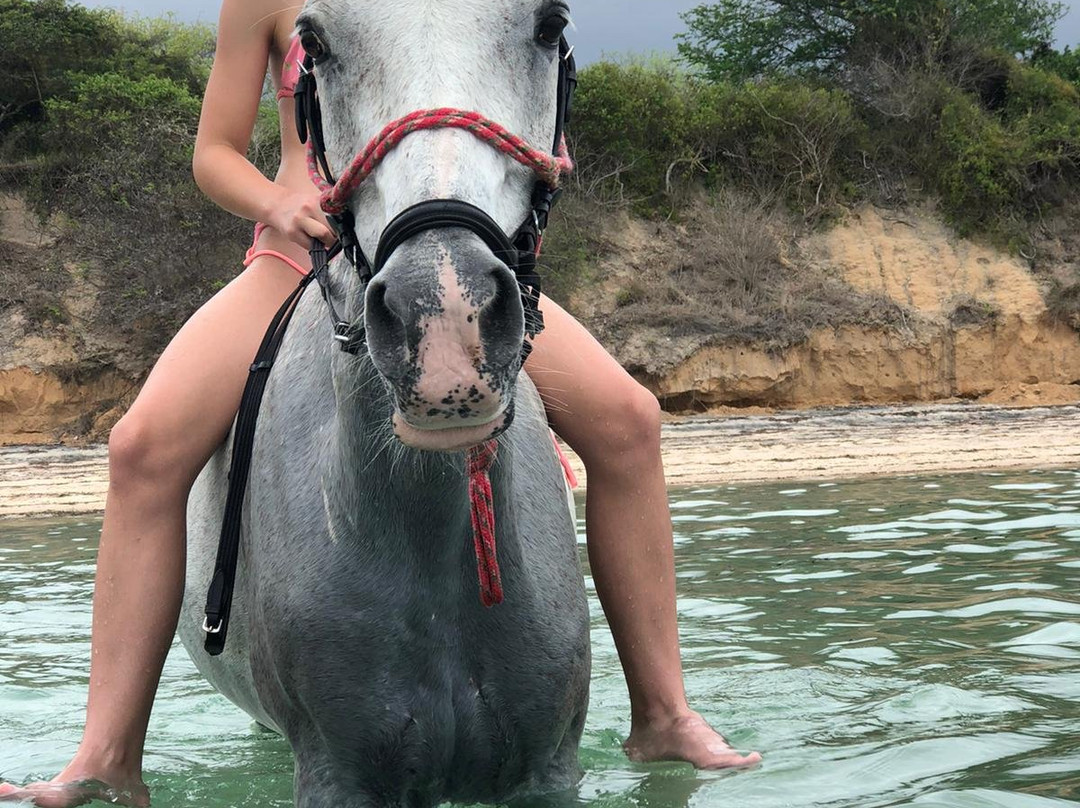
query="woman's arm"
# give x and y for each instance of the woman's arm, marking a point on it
(245, 32)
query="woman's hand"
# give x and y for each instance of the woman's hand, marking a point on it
(299, 217)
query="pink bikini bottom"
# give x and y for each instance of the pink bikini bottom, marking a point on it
(254, 252)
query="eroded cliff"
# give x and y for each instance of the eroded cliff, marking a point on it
(937, 318)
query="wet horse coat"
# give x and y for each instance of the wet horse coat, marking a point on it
(357, 628)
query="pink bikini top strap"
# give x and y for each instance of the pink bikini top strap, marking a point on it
(290, 69)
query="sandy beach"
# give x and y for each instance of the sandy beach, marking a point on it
(805, 445)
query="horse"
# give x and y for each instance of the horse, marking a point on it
(359, 630)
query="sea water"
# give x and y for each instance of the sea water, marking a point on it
(909, 641)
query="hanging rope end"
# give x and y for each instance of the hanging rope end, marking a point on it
(479, 460)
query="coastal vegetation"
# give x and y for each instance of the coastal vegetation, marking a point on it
(777, 118)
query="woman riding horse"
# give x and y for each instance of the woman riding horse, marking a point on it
(187, 406)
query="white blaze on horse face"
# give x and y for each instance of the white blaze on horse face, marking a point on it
(452, 386)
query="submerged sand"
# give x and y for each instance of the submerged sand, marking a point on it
(806, 445)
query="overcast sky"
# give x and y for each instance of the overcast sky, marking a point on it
(603, 26)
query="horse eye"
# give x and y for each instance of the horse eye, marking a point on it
(312, 45)
(551, 29)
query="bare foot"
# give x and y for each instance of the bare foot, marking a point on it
(68, 794)
(688, 738)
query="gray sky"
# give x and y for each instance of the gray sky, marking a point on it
(603, 26)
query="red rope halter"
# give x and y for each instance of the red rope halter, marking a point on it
(548, 167)
(335, 198)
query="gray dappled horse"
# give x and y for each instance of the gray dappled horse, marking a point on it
(357, 629)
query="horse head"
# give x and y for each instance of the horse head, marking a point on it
(443, 310)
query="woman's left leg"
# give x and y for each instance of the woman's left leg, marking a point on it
(614, 426)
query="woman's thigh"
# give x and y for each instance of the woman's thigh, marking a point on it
(581, 384)
(187, 405)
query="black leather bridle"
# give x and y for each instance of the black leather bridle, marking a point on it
(519, 252)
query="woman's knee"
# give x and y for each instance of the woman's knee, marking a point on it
(140, 454)
(626, 428)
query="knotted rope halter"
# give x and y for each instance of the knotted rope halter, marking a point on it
(527, 243)
(335, 196)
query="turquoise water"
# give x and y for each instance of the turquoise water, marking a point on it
(886, 642)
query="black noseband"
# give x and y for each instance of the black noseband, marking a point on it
(444, 214)
(518, 254)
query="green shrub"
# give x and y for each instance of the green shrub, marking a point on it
(998, 170)
(631, 122)
(1043, 111)
(999, 146)
(648, 127)
(51, 46)
(44, 43)
(1064, 63)
(786, 141)
(978, 165)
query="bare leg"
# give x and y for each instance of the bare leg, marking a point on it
(614, 426)
(181, 416)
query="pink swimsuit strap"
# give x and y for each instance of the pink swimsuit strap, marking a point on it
(290, 69)
(254, 252)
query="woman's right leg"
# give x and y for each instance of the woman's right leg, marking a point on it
(156, 451)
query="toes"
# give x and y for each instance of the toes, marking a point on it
(14, 794)
(43, 795)
(731, 759)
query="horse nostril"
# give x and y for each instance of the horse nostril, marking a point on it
(386, 332)
(502, 318)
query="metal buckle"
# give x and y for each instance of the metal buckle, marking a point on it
(206, 626)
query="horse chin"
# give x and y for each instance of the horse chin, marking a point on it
(449, 438)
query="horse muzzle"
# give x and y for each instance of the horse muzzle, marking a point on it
(445, 325)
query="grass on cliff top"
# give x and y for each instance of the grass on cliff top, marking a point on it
(997, 142)
(992, 141)
(731, 272)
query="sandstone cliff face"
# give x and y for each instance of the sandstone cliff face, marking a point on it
(1015, 362)
(57, 380)
(41, 406)
(979, 330)
(975, 327)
